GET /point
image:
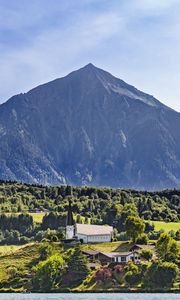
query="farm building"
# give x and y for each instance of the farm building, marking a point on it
(87, 233)
(93, 233)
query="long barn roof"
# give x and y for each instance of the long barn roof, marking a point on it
(87, 229)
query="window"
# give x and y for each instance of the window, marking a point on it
(123, 258)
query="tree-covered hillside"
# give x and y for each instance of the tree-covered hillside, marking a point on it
(97, 203)
(89, 204)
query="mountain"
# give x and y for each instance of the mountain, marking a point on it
(90, 128)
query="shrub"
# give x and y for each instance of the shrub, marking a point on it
(146, 254)
(12, 272)
(118, 268)
(122, 236)
(45, 251)
(103, 274)
(132, 279)
(160, 275)
(142, 239)
(132, 267)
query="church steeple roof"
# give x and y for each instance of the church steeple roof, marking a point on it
(69, 220)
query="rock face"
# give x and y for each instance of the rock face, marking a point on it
(90, 128)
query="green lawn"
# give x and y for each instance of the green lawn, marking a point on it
(166, 226)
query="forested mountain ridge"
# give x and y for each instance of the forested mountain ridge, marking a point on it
(90, 128)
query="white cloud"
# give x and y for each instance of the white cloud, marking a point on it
(53, 51)
(156, 4)
(138, 41)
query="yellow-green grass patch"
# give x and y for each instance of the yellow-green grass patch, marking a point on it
(109, 247)
(7, 249)
(20, 259)
(166, 226)
(37, 217)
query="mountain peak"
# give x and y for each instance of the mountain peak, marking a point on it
(114, 85)
(89, 68)
(90, 128)
(89, 65)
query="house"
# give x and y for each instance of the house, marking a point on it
(91, 254)
(138, 247)
(118, 257)
(125, 257)
(109, 257)
(87, 233)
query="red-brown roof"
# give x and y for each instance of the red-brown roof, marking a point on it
(108, 254)
(140, 247)
(116, 254)
(90, 252)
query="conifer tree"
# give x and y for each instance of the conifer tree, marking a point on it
(77, 269)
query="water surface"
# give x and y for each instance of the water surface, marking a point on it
(90, 296)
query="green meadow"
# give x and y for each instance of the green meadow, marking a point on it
(159, 225)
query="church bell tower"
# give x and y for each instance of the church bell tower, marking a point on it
(70, 226)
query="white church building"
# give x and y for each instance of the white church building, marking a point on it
(87, 233)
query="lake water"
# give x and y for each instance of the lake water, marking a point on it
(89, 296)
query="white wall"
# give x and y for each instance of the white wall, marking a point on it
(94, 238)
(121, 259)
(69, 232)
(136, 257)
(82, 237)
(128, 258)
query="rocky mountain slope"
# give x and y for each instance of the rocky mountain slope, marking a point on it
(90, 128)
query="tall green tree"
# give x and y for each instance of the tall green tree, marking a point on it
(167, 248)
(48, 273)
(134, 227)
(77, 269)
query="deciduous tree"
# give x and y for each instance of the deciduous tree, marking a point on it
(134, 227)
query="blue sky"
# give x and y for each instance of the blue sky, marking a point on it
(136, 40)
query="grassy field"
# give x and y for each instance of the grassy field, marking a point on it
(19, 259)
(108, 247)
(166, 226)
(7, 249)
(23, 259)
(37, 217)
